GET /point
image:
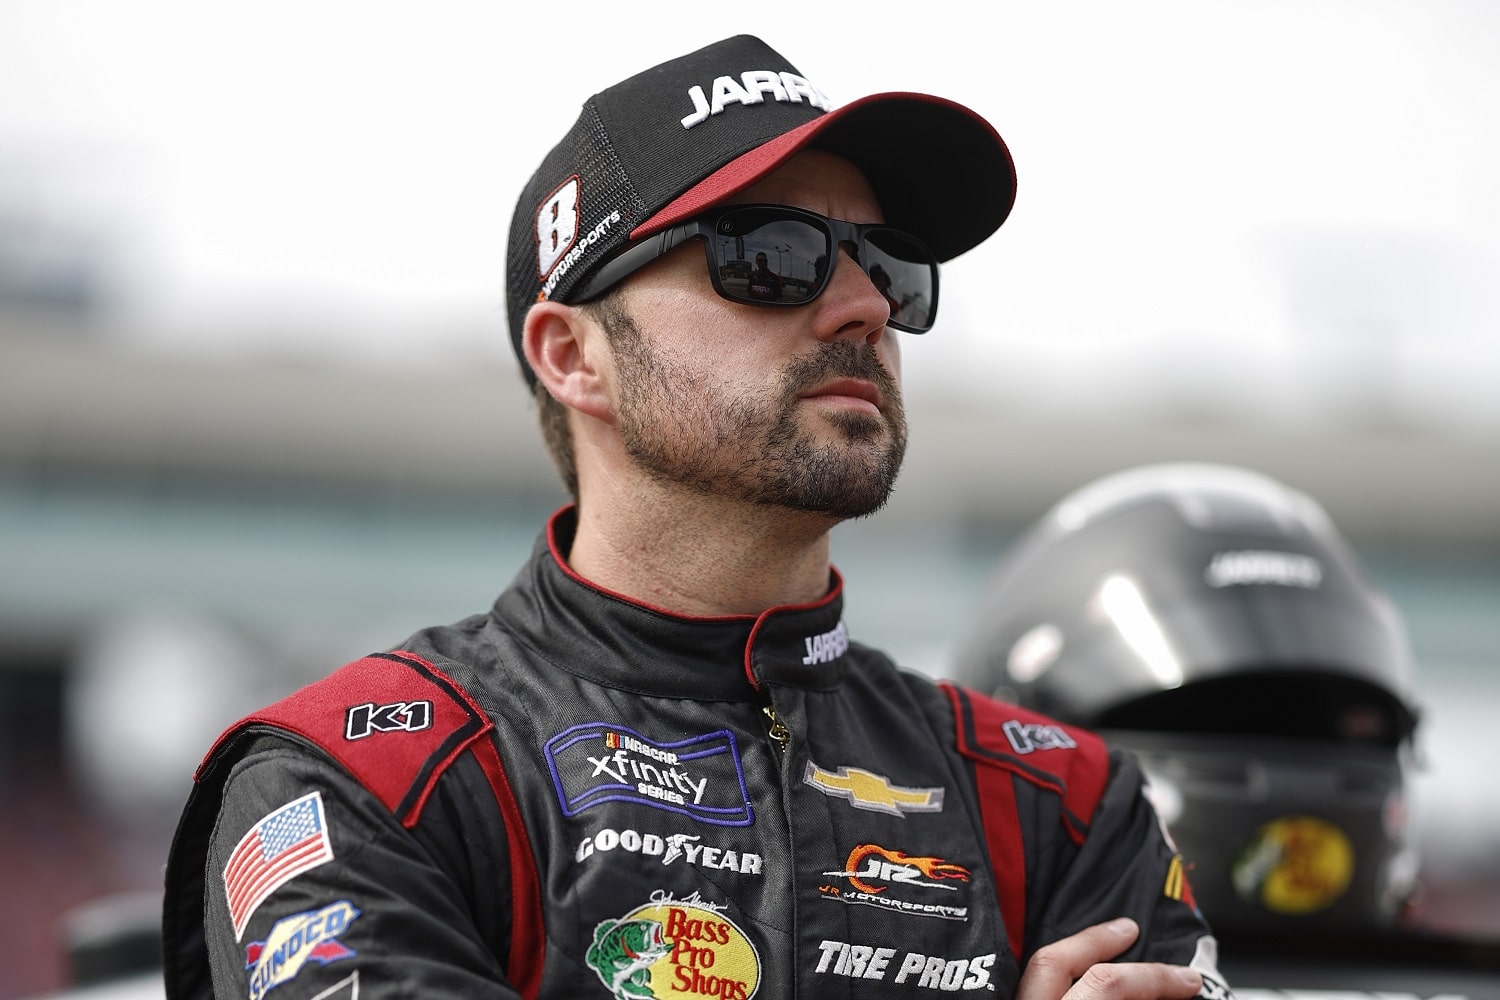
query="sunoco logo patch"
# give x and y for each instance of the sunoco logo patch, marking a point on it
(673, 947)
(311, 936)
(701, 777)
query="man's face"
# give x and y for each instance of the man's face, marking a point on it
(795, 407)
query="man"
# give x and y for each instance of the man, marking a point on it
(764, 282)
(659, 767)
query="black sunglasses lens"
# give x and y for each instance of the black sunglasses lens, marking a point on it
(905, 272)
(763, 256)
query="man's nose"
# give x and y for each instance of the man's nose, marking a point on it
(851, 306)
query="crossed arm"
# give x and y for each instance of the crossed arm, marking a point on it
(1078, 967)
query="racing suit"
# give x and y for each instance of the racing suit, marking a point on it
(578, 796)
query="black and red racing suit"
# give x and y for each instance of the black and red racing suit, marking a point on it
(576, 795)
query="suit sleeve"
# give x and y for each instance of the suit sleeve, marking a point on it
(1126, 865)
(314, 888)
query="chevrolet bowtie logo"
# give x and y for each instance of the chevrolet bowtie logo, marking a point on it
(874, 792)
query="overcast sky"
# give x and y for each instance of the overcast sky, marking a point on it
(1221, 184)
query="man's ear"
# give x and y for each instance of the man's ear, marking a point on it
(566, 349)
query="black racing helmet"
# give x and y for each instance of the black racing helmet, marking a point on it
(1216, 623)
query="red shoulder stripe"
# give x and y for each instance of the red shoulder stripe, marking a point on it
(528, 943)
(393, 721)
(1002, 832)
(1072, 762)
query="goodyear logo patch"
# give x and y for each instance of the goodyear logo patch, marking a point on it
(669, 849)
(671, 947)
(874, 792)
(599, 762)
(311, 936)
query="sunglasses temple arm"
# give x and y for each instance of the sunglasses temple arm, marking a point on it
(632, 259)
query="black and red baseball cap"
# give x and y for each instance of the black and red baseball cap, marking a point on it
(668, 143)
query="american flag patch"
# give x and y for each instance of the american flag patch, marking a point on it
(284, 844)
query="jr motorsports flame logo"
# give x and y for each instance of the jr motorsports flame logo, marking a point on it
(894, 880)
(674, 947)
(877, 864)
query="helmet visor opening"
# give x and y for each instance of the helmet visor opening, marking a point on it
(1298, 705)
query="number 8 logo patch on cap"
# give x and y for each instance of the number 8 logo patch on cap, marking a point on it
(556, 226)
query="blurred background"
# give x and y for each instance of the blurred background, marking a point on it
(259, 416)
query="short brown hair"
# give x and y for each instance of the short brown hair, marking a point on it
(557, 436)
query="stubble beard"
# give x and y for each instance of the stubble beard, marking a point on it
(689, 428)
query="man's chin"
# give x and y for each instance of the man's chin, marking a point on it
(856, 483)
(854, 426)
(831, 512)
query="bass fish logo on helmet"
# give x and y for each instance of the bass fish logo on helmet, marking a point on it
(1294, 865)
(673, 947)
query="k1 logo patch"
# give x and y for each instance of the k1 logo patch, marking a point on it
(1030, 737)
(701, 776)
(401, 716)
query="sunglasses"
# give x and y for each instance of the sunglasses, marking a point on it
(775, 255)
